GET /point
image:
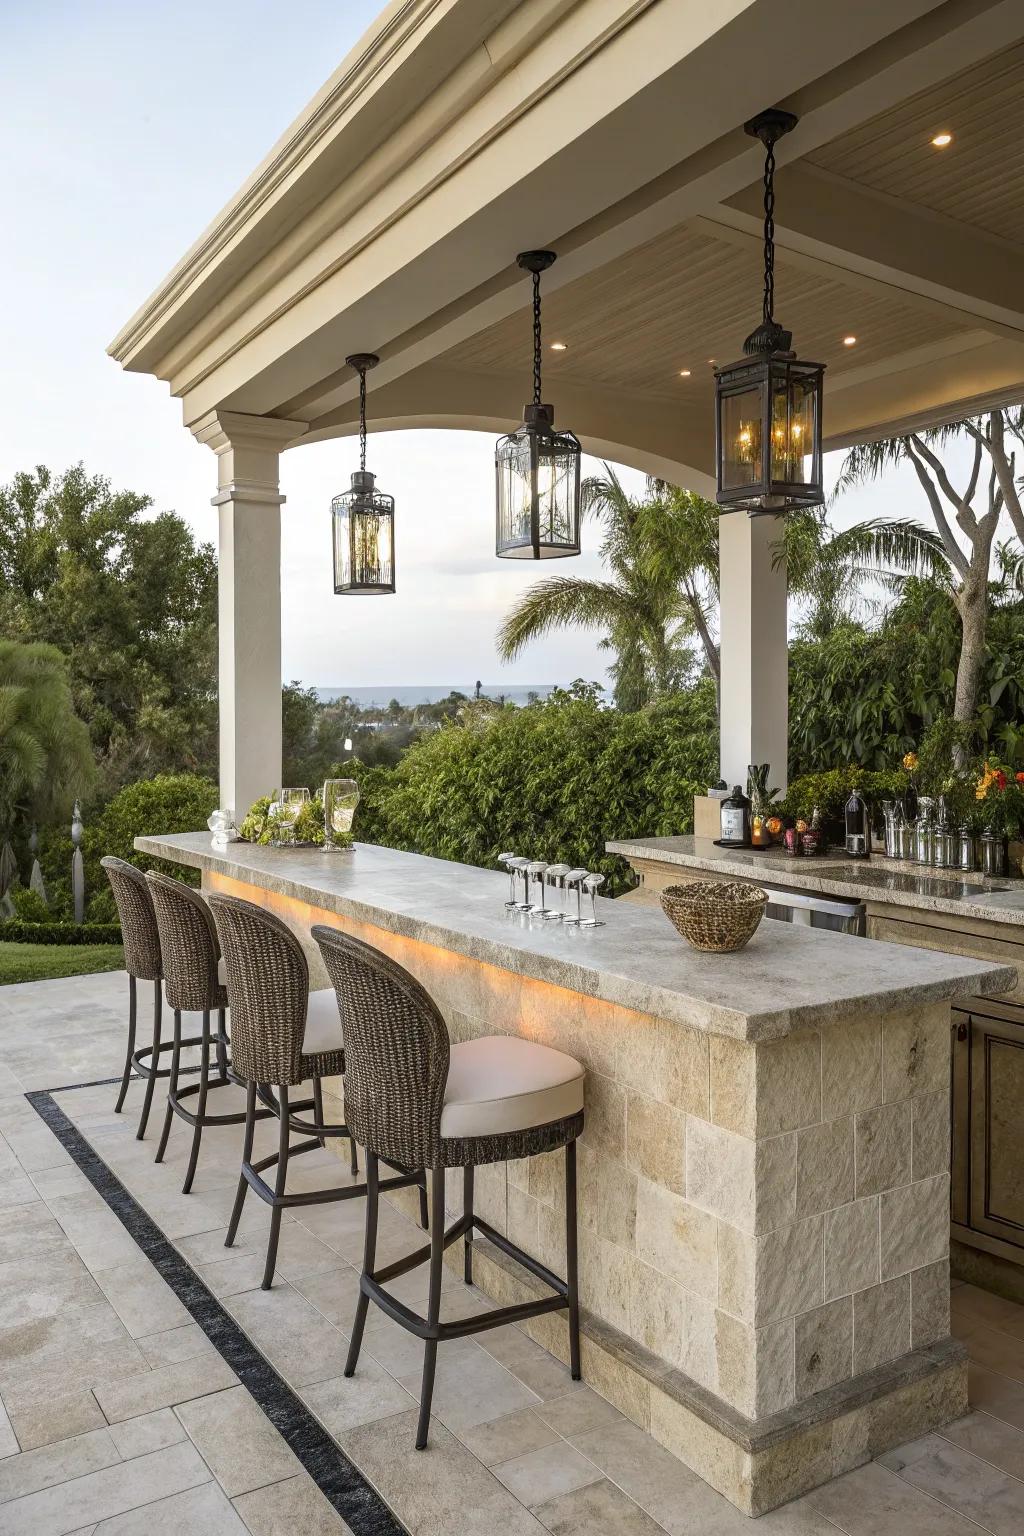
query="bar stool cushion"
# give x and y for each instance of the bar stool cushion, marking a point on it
(502, 1083)
(323, 1024)
(222, 972)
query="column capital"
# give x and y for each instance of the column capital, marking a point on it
(248, 450)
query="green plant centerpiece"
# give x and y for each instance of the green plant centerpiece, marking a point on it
(266, 823)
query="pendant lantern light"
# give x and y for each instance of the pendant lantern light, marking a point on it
(537, 469)
(363, 518)
(768, 405)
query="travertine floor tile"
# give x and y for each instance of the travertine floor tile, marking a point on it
(343, 1402)
(57, 1463)
(876, 1502)
(292, 1334)
(969, 1485)
(165, 1387)
(174, 1345)
(57, 1418)
(514, 1435)
(544, 1474)
(472, 1388)
(996, 1351)
(990, 1439)
(100, 1495)
(237, 1441)
(578, 1413)
(286, 1509)
(149, 1432)
(142, 1300)
(445, 1493)
(600, 1509)
(204, 1511)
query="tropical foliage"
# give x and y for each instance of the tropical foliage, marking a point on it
(45, 756)
(555, 779)
(659, 551)
(130, 600)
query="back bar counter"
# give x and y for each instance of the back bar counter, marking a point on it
(764, 1173)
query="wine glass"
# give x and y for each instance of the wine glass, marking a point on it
(508, 859)
(538, 869)
(556, 873)
(575, 877)
(591, 885)
(292, 801)
(341, 796)
(520, 866)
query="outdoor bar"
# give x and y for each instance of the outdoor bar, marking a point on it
(764, 1172)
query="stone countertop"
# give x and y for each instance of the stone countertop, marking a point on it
(902, 884)
(787, 978)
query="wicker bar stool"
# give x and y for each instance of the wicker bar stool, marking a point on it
(283, 1035)
(194, 983)
(142, 962)
(413, 1097)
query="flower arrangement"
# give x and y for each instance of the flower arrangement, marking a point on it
(999, 794)
(267, 824)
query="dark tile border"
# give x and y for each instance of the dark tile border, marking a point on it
(339, 1480)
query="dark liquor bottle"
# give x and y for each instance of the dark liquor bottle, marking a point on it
(736, 820)
(858, 827)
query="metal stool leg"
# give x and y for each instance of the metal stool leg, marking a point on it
(467, 1210)
(243, 1183)
(318, 1107)
(572, 1261)
(369, 1260)
(353, 1156)
(126, 1075)
(222, 1053)
(204, 1083)
(154, 1061)
(172, 1087)
(277, 1210)
(433, 1302)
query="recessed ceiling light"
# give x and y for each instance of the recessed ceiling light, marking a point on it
(849, 341)
(558, 346)
(942, 140)
(684, 373)
(713, 361)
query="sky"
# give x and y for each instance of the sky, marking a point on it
(128, 126)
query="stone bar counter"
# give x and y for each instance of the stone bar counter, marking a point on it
(764, 1173)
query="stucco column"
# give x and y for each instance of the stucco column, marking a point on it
(248, 500)
(755, 664)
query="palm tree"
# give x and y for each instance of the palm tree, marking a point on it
(829, 567)
(45, 754)
(966, 520)
(645, 610)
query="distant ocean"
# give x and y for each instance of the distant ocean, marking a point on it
(380, 697)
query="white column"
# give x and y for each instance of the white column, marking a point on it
(248, 500)
(755, 664)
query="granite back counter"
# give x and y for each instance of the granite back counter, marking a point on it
(764, 1173)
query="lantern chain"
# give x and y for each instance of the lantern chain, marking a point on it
(536, 339)
(362, 419)
(769, 231)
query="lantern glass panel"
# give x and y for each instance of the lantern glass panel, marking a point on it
(794, 401)
(741, 429)
(364, 548)
(538, 478)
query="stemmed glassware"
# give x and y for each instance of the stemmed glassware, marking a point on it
(292, 801)
(591, 884)
(508, 859)
(539, 870)
(556, 873)
(341, 796)
(520, 866)
(575, 877)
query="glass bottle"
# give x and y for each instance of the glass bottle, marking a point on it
(736, 820)
(857, 827)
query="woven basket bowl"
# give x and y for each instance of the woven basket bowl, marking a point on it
(720, 916)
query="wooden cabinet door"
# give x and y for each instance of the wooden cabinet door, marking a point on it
(997, 1123)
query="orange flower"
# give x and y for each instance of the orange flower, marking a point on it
(910, 761)
(1020, 778)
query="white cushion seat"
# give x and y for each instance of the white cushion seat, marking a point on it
(502, 1083)
(323, 1023)
(222, 972)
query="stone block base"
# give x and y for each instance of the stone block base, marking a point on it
(756, 1465)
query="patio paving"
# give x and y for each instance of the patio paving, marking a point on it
(120, 1415)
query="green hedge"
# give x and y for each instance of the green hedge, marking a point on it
(555, 780)
(14, 931)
